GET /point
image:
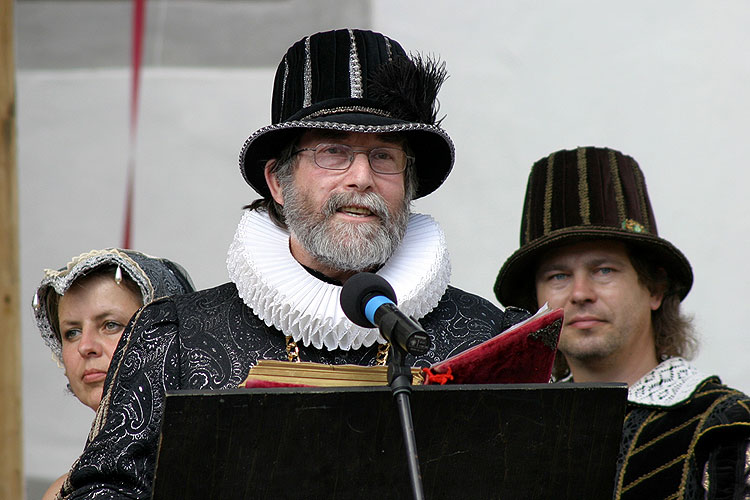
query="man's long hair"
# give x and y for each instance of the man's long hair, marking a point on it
(674, 333)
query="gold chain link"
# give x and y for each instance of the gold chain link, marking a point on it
(381, 358)
(292, 351)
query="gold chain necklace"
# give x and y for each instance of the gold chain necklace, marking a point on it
(292, 352)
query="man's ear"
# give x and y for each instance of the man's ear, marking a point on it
(273, 182)
(659, 290)
(656, 300)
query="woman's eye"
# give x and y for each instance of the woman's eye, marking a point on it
(70, 335)
(113, 326)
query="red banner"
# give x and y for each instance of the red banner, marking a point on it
(139, 23)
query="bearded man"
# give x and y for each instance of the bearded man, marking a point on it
(354, 138)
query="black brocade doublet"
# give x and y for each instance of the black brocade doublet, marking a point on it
(664, 451)
(209, 340)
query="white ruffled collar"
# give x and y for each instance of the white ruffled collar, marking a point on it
(671, 382)
(283, 294)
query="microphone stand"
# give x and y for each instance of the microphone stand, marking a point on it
(399, 379)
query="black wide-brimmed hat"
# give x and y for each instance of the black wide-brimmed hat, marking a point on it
(354, 81)
(588, 193)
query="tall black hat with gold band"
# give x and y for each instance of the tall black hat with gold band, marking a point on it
(588, 193)
(354, 81)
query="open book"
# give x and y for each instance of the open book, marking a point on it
(524, 353)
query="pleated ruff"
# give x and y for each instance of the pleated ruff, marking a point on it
(284, 295)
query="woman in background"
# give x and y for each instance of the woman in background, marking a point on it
(82, 310)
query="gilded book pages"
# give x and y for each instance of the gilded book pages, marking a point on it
(319, 375)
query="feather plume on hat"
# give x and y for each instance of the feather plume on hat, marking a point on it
(408, 89)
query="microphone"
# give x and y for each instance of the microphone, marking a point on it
(368, 300)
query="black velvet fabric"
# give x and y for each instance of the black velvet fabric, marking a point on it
(209, 340)
(585, 186)
(664, 451)
(328, 57)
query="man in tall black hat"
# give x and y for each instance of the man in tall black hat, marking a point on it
(589, 244)
(354, 138)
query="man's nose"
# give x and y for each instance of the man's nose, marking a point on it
(359, 174)
(582, 290)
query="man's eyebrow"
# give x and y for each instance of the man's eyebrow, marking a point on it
(392, 138)
(551, 266)
(329, 134)
(561, 265)
(598, 261)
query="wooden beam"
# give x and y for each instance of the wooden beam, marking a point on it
(11, 456)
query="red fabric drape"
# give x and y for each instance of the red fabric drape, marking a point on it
(139, 22)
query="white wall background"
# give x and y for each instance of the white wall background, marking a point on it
(666, 82)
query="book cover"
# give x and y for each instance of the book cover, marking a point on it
(522, 354)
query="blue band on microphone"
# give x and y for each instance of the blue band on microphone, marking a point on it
(373, 304)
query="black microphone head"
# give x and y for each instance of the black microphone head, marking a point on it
(358, 290)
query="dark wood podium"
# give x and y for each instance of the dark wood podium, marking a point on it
(534, 441)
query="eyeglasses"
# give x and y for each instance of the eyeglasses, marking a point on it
(383, 160)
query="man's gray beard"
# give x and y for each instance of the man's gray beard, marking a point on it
(346, 246)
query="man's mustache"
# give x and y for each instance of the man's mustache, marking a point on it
(371, 201)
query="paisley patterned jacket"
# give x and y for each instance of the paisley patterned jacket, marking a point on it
(209, 340)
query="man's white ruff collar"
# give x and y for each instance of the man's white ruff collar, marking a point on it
(283, 294)
(670, 383)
